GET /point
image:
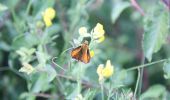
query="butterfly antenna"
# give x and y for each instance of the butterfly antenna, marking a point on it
(56, 63)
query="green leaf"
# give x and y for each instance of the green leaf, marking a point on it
(118, 8)
(154, 92)
(155, 30)
(40, 82)
(3, 7)
(166, 69)
(50, 72)
(28, 40)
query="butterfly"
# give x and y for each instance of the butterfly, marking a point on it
(81, 53)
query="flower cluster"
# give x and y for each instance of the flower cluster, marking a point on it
(48, 16)
(105, 72)
(97, 34)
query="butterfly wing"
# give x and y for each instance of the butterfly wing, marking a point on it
(85, 54)
(76, 53)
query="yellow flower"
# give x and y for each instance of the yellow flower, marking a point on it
(98, 31)
(92, 53)
(108, 70)
(49, 13)
(47, 21)
(48, 16)
(105, 72)
(83, 31)
(27, 68)
(99, 72)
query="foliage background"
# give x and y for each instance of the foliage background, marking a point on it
(21, 25)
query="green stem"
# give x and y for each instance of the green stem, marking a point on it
(110, 90)
(79, 78)
(102, 91)
(145, 65)
(28, 7)
(141, 76)
(137, 82)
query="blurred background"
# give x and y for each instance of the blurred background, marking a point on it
(24, 37)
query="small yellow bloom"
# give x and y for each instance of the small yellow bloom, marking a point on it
(83, 31)
(101, 39)
(49, 13)
(92, 53)
(27, 68)
(100, 69)
(108, 70)
(105, 72)
(48, 16)
(99, 72)
(98, 31)
(47, 21)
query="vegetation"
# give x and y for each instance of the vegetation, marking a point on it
(85, 49)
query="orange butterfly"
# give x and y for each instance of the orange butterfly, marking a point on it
(81, 53)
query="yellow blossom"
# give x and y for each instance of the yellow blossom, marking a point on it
(83, 31)
(92, 53)
(105, 72)
(27, 68)
(47, 21)
(98, 31)
(99, 72)
(49, 13)
(48, 16)
(108, 70)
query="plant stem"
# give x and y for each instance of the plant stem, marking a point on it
(140, 73)
(79, 78)
(137, 82)
(102, 91)
(141, 76)
(28, 7)
(145, 65)
(110, 90)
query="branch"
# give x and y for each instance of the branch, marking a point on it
(145, 65)
(137, 7)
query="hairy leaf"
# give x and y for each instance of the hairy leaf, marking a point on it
(156, 91)
(155, 31)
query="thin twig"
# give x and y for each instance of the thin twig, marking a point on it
(136, 5)
(141, 75)
(145, 65)
(56, 63)
(137, 82)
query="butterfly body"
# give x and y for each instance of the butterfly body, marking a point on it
(81, 53)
